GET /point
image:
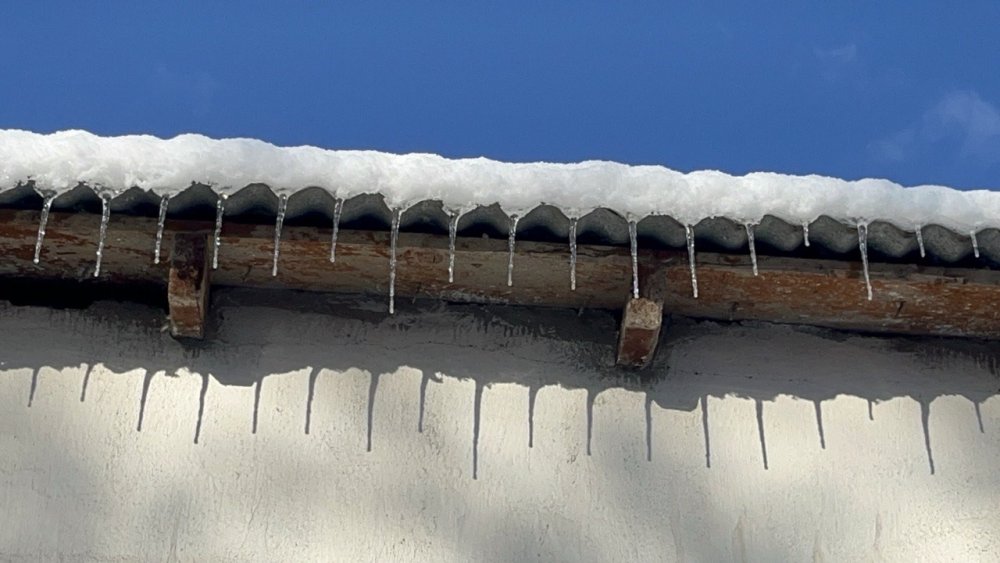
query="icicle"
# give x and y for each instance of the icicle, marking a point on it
(510, 249)
(863, 245)
(392, 260)
(220, 208)
(694, 274)
(975, 243)
(338, 208)
(805, 233)
(452, 234)
(634, 247)
(920, 240)
(46, 207)
(105, 216)
(160, 223)
(572, 254)
(282, 206)
(753, 247)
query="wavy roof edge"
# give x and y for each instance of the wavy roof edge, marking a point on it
(543, 222)
(58, 162)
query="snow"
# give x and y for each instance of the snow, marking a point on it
(59, 161)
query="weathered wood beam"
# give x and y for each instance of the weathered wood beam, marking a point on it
(911, 299)
(188, 284)
(640, 332)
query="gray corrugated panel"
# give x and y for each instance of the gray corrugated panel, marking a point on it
(828, 237)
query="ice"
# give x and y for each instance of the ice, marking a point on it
(510, 249)
(920, 240)
(975, 243)
(160, 223)
(393, 237)
(805, 233)
(46, 207)
(634, 247)
(278, 223)
(753, 247)
(338, 209)
(220, 209)
(105, 217)
(694, 273)
(452, 234)
(863, 246)
(572, 253)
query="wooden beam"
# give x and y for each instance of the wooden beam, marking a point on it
(188, 284)
(640, 332)
(908, 298)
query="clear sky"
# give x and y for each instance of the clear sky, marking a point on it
(907, 90)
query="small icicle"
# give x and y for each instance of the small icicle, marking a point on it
(282, 206)
(160, 223)
(338, 208)
(975, 243)
(863, 245)
(394, 235)
(46, 207)
(572, 253)
(805, 233)
(920, 240)
(634, 247)
(753, 247)
(452, 234)
(105, 216)
(694, 274)
(510, 249)
(220, 208)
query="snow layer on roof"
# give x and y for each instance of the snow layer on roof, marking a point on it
(59, 161)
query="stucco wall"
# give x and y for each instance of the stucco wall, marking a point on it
(320, 430)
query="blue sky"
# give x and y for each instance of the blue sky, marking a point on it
(904, 90)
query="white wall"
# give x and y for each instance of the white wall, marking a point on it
(79, 480)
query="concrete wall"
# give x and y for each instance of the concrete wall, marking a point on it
(322, 430)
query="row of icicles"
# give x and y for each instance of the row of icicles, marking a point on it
(452, 232)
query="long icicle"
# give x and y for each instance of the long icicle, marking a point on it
(161, 221)
(452, 234)
(278, 223)
(220, 209)
(694, 273)
(338, 209)
(105, 217)
(510, 249)
(863, 246)
(920, 240)
(634, 247)
(393, 237)
(753, 247)
(805, 233)
(46, 207)
(975, 243)
(572, 253)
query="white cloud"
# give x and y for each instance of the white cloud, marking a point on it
(840, 55)
(961, 119)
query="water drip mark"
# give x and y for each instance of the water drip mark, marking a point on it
(689, 233)
(338, 209)
(105, 217)
(510, 249)
(393, 238)
(42, 222)
(752, 246)
(220, 209)
(572, 253)
(161, 222)
(863, 246)
(634, 248)
(279, 221)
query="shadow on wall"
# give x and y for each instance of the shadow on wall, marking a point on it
(531, 347)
